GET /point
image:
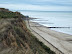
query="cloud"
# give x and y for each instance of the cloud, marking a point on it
(54, 2)
(48, 5)
(35, 7)
(40, 2)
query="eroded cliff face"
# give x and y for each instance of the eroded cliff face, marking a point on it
(15, 38)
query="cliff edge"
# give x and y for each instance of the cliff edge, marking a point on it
(15, 38)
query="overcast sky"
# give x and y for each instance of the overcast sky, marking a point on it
(46, 5)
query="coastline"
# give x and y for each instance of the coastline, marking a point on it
(56, 28)
(59, 40)
(51, 28)
(54, 19)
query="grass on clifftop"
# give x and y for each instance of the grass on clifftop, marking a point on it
(5, 13)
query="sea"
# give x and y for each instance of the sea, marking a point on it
(52, 19)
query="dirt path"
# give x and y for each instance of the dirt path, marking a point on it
(59, 42)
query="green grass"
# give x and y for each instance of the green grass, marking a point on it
(10, 14)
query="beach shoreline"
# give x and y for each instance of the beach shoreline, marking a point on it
(50, 27)
(59, 40)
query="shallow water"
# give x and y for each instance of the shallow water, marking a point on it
(53, 19)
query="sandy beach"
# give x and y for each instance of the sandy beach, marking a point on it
(60, 43)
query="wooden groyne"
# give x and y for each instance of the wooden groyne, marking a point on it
(58, 27)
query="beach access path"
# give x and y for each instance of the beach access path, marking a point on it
(58, 42)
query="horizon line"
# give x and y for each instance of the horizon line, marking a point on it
(43, 10)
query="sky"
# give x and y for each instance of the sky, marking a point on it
(42, 5)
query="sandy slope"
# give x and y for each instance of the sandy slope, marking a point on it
(62, 42)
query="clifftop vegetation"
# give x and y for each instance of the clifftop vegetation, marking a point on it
(5, 13)
(15, 38)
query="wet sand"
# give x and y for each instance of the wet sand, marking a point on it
(59, 42)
